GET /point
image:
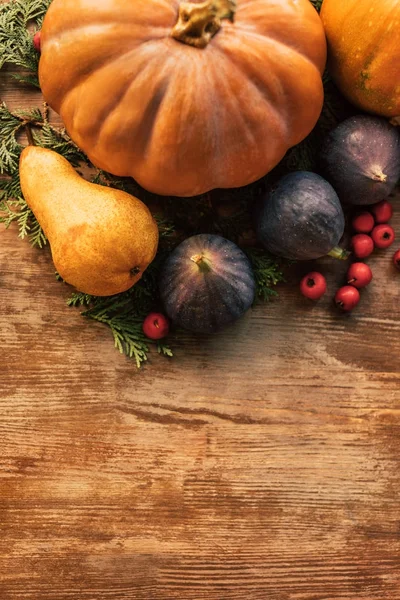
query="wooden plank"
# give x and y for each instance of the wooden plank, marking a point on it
(262, 462)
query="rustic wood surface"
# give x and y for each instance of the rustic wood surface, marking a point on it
(262, 463)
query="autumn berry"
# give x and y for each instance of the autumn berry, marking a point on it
(396, 259)
(36, 41)
(383, 211)
(347, 297)
(383, 236)
(313, 285)
(359, 275)
(363, 222)
(362, 244)
(156, 326)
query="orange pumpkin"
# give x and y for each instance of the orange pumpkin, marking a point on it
(364, 52)
(184, 96)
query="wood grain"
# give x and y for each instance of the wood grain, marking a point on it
(261, 463)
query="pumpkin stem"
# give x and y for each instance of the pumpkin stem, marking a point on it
(339, 253)
(202, 262)
(198, 23)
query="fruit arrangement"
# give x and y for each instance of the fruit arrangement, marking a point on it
(219, 149)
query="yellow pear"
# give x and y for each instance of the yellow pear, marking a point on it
(101, 239)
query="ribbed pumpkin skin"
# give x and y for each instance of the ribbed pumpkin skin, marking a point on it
(178, 119)
(364, 52)
(207, 302)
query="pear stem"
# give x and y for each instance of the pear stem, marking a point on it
(29, 135)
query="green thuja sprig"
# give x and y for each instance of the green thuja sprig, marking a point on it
(267, 273)
(59, 141)
(125, 326)
(16, 47)
(317, 4)
(124, 313)
(13, 207)
(34, 122)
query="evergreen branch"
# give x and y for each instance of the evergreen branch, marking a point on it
(126, 326)
(108, 180)
(36, 233)
(10, 186)
(317, 4)
(164, 350)
(166, 229)
(32, 10)
(80, 299)
(9, 210)
(127, 334)
(16, 45)
(26, 79)
(267, 273)
(11, 123)
(58, 140)
(10, 149)
(24, 222)
(12, 204)
(124, 313)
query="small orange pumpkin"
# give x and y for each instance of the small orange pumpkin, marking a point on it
(184, 96)
(364, 52)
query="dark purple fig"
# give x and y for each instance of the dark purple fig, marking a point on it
(206, 283)
(361, 159)
(302, 218)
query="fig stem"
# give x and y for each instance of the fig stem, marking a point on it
(378, 174)
(202, 262)
(340, 253)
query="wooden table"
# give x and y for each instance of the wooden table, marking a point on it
(262, 463)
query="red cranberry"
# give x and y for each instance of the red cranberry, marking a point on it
(359, 275)
(363, 222)
(156, 326)
(347, 297)
(383, 236)
(36, 41)
(313, 285)
(383, 211)
(362, 244)
(396, 259)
